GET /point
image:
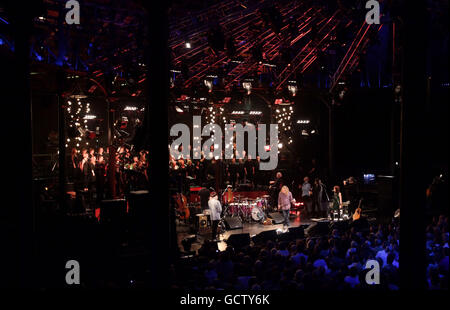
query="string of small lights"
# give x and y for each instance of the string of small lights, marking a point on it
(77, 116)
(283, 117)
(214, 114)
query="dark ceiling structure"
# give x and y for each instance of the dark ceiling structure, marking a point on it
(271, 43)
(108, 45)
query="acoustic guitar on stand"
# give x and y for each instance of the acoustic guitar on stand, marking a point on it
(357, 214)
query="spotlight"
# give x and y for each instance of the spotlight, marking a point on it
(292, 88)
(255, 113)
(130, 108)
(248, 87)
(188, 45)
(208, 84)
(89, 116)
(280, 145)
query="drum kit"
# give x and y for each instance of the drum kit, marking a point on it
(248, 209)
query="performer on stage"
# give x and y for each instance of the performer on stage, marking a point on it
(100, 177)
(285, 200)
(204, 194)
(320, 198)
(74, 162)
(306, 196)
(337, 201)
(84, 167)
(215, 212)
(249, 170)
(228, 196)
(351, 193)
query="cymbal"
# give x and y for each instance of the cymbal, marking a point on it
(265, 196)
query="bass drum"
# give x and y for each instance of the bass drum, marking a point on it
(257, 214)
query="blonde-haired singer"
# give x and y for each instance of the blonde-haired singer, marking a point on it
(284, 204)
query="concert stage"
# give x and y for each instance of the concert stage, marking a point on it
(252, 229)
(299, 227)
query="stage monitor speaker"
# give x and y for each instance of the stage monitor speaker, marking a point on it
(265, 236)
(140, 212)
(187, 243)
(298, 232)
(277, 217)
(341, 226)
(320, 228)
(233, 222)
(113, 210)
(361, 225)
(285, 236)
(239, 240)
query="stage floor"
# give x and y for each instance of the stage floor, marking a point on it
(253, 229)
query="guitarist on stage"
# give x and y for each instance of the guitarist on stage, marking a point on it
(336, 202)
